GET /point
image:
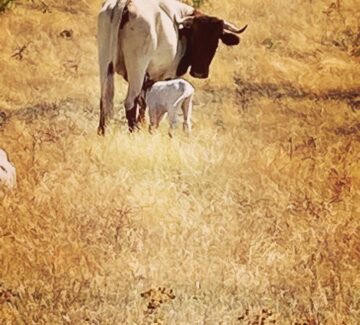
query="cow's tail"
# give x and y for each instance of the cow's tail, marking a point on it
(188, 92)
(109, 20)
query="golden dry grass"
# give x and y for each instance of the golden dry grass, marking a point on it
(254, 219)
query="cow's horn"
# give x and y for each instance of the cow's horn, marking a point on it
(185, 21)
(231, 28)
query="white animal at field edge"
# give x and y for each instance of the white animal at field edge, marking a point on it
(169, 97)
(7, 171)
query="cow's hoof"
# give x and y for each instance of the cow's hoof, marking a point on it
(101, 130)
(133, 127)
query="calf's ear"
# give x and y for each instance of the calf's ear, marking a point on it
(230, 39)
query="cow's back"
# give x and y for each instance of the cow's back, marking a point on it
(150, 34)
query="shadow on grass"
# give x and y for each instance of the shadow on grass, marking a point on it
(247, 91)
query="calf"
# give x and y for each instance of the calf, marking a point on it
(168, 97)
(7, 171)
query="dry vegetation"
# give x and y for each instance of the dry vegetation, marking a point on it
(254, 219)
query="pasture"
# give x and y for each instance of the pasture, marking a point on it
(253, 219)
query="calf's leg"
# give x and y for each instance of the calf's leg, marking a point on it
(153, 119)
(187, 109)
(172, 118)
(155, 116)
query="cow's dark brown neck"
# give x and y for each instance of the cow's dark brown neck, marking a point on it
(185, 61)
(184, 35)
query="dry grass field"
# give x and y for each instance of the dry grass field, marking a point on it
(253, 219)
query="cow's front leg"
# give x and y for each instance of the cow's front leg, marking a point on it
(136, 72)
(131, 117)
(131, 106)
(142, 110)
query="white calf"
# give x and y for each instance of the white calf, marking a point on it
(167, 97)
(7, 171)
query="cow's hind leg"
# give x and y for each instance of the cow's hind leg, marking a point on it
(172, 117)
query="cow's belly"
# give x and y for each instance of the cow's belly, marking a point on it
(165, 58)
(162, 66)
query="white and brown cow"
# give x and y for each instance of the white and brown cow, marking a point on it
(160, 38)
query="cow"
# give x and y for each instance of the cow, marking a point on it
(158, 38)
(169, 97)
(7, 171)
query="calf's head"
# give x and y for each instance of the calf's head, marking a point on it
(203, 34)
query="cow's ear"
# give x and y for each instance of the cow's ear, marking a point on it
(230, 39)
(185, 22)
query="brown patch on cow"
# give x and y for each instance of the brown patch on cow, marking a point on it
(148, 83)
(106, 101)
(202, 41)
(230, 39)
(131, 117)
(124, 17)
(101, 127)
(206, 32)
(142, 110)
(132, 114)
(185, 62)
(110, 69)
(185, 34)
(112, 15)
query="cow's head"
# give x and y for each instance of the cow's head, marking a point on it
(203, 34)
